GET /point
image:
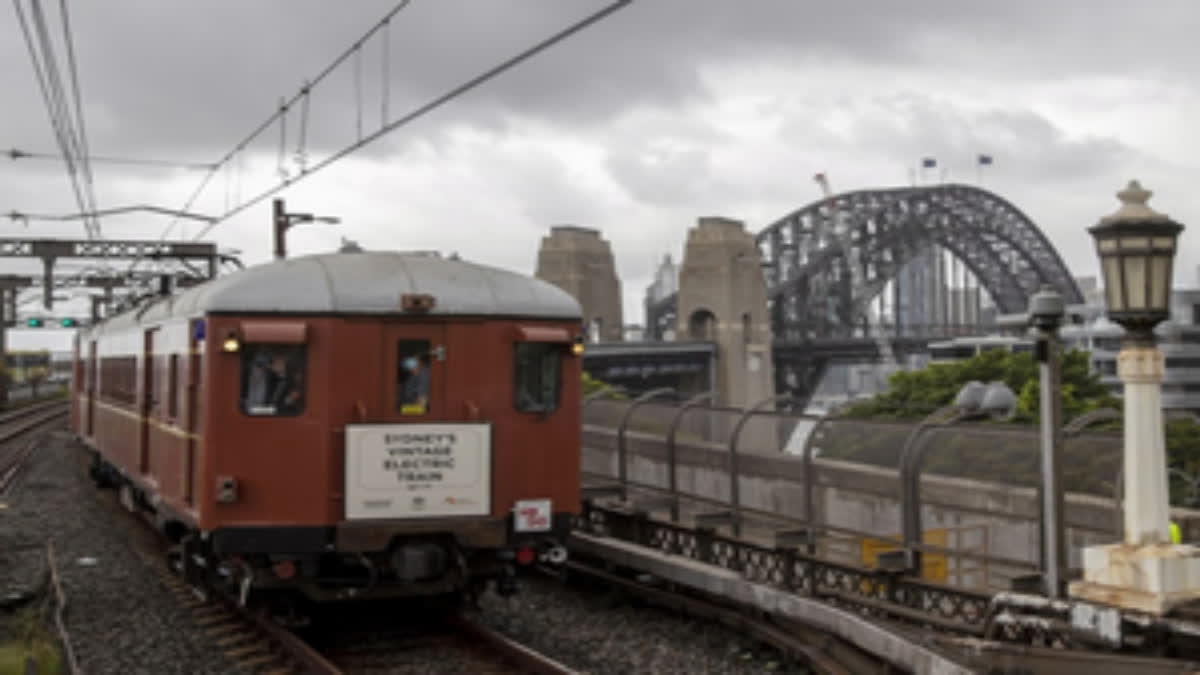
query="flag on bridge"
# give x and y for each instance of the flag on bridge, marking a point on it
(985, 160)
(928, 163)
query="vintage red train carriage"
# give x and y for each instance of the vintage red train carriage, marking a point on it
(273, 422)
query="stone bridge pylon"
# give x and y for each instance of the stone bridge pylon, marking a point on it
(723, 299)
(579, 261)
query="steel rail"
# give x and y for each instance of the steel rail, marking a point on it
(299, 651)
(524, 658)
(30, 409)
(828, 654)
(11, 463)
(291, 647)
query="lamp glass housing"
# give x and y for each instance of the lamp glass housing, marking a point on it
(1136, 260)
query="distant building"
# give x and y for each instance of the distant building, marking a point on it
(920, 293)
(666, 283)
(1090, 288)
(1179, 340)
(666, 280)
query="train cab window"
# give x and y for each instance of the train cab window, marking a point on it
(273, 380)
(412, 377)
(537, 376)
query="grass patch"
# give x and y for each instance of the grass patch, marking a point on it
(24, 634)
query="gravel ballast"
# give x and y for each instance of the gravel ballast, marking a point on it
(123, 618)
(120, 615)
(599, 633)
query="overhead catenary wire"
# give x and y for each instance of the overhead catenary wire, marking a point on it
(84, 151)
(72, 126)
(275, 115)
(61, 134)
(422, 109)
(16, 153)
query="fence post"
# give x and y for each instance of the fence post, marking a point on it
(622, 470)
(672, 469)
(735, 493)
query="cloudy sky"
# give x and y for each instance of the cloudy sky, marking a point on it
(665, 111)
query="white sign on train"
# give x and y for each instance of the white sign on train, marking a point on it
(532, 515)
(418, 470)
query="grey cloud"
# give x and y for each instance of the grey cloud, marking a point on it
(190, 81)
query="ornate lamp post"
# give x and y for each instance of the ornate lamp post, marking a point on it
(1136, 246)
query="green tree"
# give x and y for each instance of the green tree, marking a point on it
(916, 394)
(1089, 466)
(591, 385)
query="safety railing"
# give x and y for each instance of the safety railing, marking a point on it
(732, 432)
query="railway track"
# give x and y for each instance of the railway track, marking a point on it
(255, 643)
(16, 424)
(812, 650)
(250, 640)
(456, 642)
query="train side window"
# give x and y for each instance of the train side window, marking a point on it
(537, 376)
(413, 384)
(273, 380)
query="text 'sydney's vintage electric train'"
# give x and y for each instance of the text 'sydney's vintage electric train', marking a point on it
(342, 425)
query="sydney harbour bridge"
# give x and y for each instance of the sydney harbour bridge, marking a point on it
(827, 265)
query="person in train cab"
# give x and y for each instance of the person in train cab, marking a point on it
(257, 387)
(283, 384)
(416, 386)
(291, 399)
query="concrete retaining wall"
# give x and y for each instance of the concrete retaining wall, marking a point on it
(987, 518)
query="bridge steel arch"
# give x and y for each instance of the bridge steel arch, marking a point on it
(809, 286)
(808, 281)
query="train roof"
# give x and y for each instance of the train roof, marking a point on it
(365, 283)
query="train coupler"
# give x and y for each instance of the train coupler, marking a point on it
(506, 583)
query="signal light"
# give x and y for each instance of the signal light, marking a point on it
(33, 323)
(525, 555)
(68, 323)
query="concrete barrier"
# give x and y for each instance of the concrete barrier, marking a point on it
(991, 523)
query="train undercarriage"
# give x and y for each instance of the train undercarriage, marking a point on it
(308, 566)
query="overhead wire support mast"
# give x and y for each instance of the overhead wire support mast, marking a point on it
(845, 239)
(388, 126)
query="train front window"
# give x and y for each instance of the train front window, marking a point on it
(273, 380)
(537, 376)
(412, 377)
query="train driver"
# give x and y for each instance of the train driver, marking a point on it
(416, 387)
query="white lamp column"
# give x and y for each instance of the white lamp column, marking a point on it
(1145, 572)
(1147, 515)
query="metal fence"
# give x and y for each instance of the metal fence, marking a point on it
(973, 549)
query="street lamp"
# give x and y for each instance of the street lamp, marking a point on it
(1137, 248)
(974, 400)
(283, 221)
(1145, 572)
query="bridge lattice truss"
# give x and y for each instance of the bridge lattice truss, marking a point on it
(807, 272)
(809, 281)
